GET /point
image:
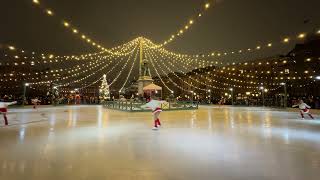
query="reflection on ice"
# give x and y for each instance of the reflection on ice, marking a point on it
(87, 142)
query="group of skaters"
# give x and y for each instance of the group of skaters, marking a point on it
(4, 108)
(154, 104)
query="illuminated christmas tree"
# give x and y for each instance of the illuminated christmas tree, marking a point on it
(104, 90)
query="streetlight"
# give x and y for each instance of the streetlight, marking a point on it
(231, 89)
(24, 92)
(209, 96)
(262, 94)
(191, 97)
(285, 94)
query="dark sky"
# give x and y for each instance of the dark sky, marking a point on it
(231, 24)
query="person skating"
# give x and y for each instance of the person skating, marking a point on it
(35, 102)
(155, 106)
(4, 110)
(304, 108)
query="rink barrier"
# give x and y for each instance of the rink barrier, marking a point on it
(132, 106)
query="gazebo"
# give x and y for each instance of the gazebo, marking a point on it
(152, 90)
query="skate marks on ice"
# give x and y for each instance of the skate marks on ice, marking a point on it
(285, 114)
(27, 116)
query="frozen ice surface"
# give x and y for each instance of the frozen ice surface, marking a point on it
(227, 143)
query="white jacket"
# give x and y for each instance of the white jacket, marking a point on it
(6, 104)
(302, 106)
(153, 104)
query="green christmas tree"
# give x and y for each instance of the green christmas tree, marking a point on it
(104, 89)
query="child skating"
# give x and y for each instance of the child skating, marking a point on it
(35, 102)
(304, 109)
(4, 110)
(155, 106)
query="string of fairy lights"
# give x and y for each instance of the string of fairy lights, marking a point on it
(123, 49)
(218, 54)
(73, 29)
(94, 82)
(72, 71)
(187, 25)
(130, 71)
(201, 72)
(251, 82)
(123, 67)
(165, 85)
(223, 70)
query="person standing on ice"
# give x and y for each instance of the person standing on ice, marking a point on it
(35, 102)
(155, 106)
(4, 110)
(304, 108)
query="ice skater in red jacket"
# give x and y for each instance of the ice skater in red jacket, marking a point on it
(4, 110)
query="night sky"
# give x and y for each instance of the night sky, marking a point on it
(229, 25)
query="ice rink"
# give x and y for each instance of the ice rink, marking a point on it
(92, 143)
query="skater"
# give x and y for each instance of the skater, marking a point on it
(155, 106)
(4, 110)
(222, 101)
(304, 108)
(35, 102)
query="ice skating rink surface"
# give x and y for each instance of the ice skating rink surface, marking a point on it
(92, 143)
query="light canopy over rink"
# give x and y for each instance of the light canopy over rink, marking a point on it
(90, 142)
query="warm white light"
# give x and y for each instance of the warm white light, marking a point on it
(26, 84)
(66, 24)
(191, 22)
(12, 48)
(270, 44)
(231, 89)
(36, 1)
(261, 87)
(75, 31)
(207, 5)
(49, 12)
(286, 40)
(302, 35)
